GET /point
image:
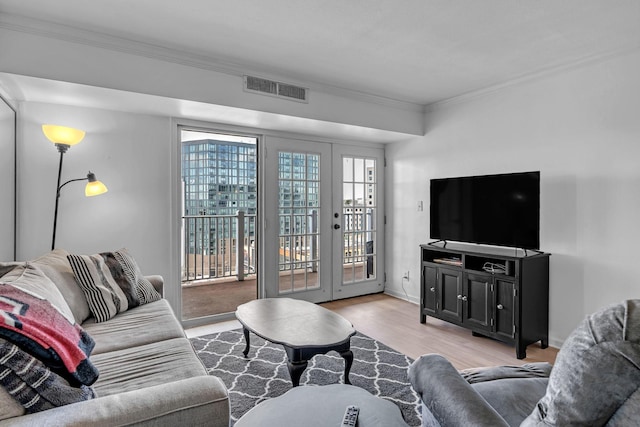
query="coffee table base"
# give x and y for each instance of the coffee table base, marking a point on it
(299, 357)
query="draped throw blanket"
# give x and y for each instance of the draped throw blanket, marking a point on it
(38, 328)
(34, 385)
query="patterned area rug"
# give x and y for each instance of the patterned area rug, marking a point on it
(263, 375)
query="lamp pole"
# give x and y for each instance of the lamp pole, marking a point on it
(62, 148)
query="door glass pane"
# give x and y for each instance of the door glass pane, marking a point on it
(298, 207)
(359, 212)
(220, 202)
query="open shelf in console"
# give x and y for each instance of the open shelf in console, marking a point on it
(490, 264)
(442, 257)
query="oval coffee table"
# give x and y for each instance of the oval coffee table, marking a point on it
(321, 406)
(304, 329)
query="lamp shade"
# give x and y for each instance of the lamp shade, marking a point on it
(62, 134)
(94, 187)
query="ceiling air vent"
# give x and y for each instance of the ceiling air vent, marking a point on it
(277, 89)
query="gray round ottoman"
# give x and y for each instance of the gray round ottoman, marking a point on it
(312, 406)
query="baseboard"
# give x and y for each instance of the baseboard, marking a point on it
(402, 296)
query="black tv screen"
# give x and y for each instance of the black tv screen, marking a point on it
(501, 210)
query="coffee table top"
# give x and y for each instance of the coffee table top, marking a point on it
(294, 323)
(321, 406)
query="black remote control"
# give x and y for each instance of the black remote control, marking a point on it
(350, 416)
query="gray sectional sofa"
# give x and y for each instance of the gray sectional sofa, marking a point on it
(149, 374)
(595, 381)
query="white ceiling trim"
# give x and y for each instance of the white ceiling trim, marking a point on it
(532, 77)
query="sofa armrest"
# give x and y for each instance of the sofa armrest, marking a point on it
(157, 281)
(193, 401)
(451, 400)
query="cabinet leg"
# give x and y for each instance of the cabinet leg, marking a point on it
(521, 350)
(423, 318)
(544, 343)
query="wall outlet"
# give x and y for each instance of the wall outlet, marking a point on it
(406, 275)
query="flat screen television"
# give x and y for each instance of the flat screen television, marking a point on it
(500, 210)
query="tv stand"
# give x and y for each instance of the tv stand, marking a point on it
(492, 291)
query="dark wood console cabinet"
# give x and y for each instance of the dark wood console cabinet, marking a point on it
(510, 303)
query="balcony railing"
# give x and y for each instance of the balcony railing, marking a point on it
(224, 246)
(218, 246)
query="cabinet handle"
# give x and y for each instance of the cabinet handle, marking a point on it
(500, 307)
(459, 296)
(432, 289)
(464, 298)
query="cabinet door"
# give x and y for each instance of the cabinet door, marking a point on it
(450, 294)
(505, 308)
(430, 283)
(477, 301)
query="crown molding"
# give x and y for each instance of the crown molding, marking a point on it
(96, 39)
(531, 77)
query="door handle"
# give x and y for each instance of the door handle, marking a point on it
(336, 226)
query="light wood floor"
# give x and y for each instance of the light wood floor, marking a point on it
(396, 323)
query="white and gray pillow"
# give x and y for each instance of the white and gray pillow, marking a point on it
(145, 291)
(112, 283)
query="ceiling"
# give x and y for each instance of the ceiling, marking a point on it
(414, 51)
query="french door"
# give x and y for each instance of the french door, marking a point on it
(323, 220)
(358, 208)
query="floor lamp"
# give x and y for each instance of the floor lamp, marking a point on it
(64, 137)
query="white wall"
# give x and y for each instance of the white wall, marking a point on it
(130, 153)
(7, 177)
(580, 128)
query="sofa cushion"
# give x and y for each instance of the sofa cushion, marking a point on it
(512, 398)
(9, 407)
(7, 266)
(142, 325)
(512, 391)
(597, 370)
(145, 366)
(33, 384)
(56, 267)
(32, 280)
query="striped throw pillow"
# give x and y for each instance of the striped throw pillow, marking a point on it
(145, 291)
(112, 282)
(104, 296)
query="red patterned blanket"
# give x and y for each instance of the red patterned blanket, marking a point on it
(37, 327)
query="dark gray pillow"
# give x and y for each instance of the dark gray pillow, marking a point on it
(596, 371)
